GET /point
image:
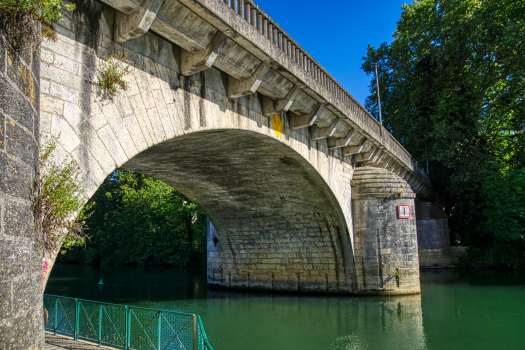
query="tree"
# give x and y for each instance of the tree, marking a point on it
(452, 86)
(141, 221)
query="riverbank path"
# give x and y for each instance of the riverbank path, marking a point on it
(57, 342)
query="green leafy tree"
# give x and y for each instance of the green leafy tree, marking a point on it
(505, 213)
(452, 84)
(141, 221)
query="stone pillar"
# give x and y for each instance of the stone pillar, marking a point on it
(432, 235)
(214, 259)
(21, 325)
(386, 254)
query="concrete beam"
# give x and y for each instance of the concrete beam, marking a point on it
(386, 163)
(307, 120)
(124, 6)
(349, 150)
(324, 133)
(352, 138)
(271, 107)
(238, 88)
(367, 156)
(129, 27)
(393, 166)
(192, 63)
(402, 172)
(378, 156)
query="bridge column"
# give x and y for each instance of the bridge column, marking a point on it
(20, 265)
(385, 251)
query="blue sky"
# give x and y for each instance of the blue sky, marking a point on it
(336, 33)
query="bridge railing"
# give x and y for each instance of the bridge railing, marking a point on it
(266, 26)
(122, 326)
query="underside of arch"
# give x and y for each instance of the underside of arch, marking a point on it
(277, 223)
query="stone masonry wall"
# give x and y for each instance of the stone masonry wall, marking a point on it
(20, 266)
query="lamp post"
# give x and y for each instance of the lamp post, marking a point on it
(378, 97)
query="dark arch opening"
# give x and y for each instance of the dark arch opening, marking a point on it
(278, 223)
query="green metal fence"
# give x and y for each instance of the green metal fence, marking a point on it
(122, 326)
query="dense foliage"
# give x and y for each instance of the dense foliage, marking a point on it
(141, 221)
(452, 90)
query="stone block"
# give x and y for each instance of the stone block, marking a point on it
(64, 93)
(16, 177)
(17, 220)
(14, 256)
(66, 64)
(13, 104)
(64, 133)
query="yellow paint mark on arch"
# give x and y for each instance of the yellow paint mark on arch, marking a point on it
(277, 124)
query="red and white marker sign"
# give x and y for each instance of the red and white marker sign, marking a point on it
(404, 211)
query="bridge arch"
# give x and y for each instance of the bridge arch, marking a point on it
(279, 193)
(280, 203)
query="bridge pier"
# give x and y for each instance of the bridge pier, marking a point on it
(386, 250)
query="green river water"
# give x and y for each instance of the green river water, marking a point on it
(456, 310)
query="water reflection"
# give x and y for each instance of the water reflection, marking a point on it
(456, 310)
(318, 322)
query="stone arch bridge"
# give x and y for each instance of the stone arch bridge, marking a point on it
(225, 107)
(301, 185)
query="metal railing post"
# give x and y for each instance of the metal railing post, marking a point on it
(159, 331)
(195, 347)
(126, 326)
(77, 319)
(99, 324)
(56, 317)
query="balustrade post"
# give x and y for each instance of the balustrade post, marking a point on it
(247, 13)
(259, 23)
(241, 8)
(253, 19)
(235, 6)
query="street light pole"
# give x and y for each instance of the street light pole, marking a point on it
(378, 97)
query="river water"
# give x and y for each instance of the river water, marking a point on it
(456, 310)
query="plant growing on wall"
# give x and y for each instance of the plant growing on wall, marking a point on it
(20, 19)
(56, 196)
(110, 78)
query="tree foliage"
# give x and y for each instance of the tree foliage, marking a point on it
(452, 89)
(141, 221)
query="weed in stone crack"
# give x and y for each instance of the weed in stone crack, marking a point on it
(110, 78)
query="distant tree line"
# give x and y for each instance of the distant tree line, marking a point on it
(452, 87)
(137, 220)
